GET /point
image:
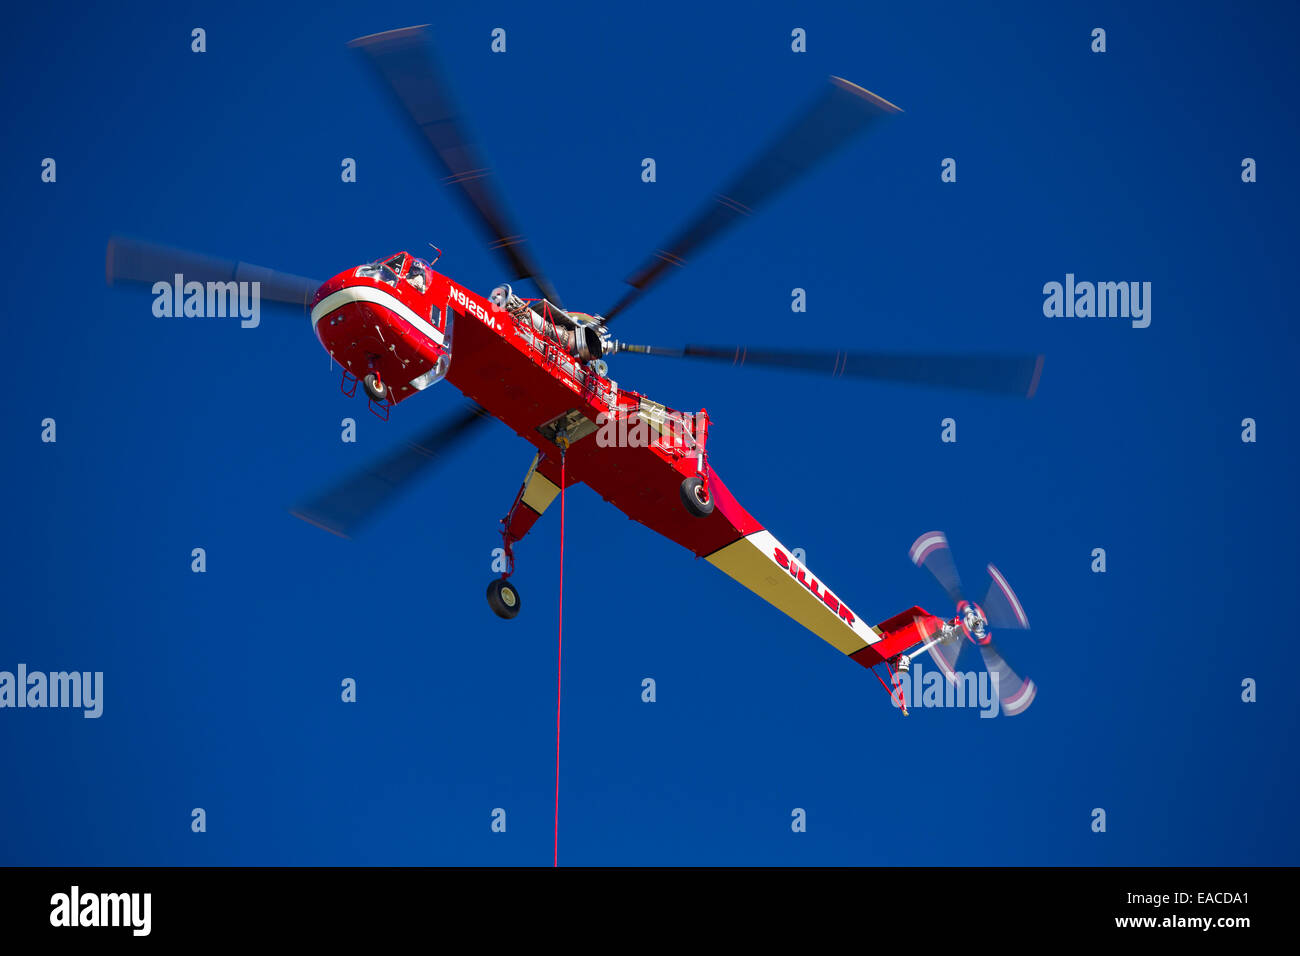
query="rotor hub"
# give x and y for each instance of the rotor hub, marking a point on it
(973, 622)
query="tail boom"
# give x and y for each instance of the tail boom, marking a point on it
(765, 566)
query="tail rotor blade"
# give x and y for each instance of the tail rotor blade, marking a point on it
(131, 260)
(1002, 609)
(1014, 693)
(343, 509)
(931, 551)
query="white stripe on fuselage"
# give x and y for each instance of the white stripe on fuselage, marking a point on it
(366, 293)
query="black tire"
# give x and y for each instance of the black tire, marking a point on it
(375, 388)
(693, 498)
(503, 598)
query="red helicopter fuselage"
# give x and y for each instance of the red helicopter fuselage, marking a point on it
(409, 326)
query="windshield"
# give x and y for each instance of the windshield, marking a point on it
(380, 271)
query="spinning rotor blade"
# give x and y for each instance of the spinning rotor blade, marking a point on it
(344, 508)
(405, 61)
(1014, 693)
(931, 551)
(130, 260)
(841, 112)
(1015, 375)
(1002, 609)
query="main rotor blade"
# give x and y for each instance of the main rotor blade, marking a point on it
(842, 111)
(1002, 608)
(130, 260)
(348, 505)
(1015, 375)
(405, 61)
(1015, 693)
(931, 551)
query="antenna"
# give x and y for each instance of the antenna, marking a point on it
(437, 250)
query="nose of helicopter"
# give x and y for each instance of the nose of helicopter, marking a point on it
(378, 337)
(331, 285)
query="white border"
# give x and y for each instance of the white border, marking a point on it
(366, 293)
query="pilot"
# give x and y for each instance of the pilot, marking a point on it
(418, 276)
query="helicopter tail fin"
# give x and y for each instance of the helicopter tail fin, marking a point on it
(914, 626)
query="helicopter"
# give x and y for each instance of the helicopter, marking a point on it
(396, 327)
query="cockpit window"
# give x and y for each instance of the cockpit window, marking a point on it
(380, 271)
(419, 275)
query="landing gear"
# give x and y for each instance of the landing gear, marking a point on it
(374, 387)
(695, 499)
(503, 598)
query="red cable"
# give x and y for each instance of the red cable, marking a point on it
(559, 668)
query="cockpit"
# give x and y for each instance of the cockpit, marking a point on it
(401, 267)
(418, 275)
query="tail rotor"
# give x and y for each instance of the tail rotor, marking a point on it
(1001, 609)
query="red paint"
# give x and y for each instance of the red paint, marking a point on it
(493, 363)
(525, 385)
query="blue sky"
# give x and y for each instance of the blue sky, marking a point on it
(222, 689)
